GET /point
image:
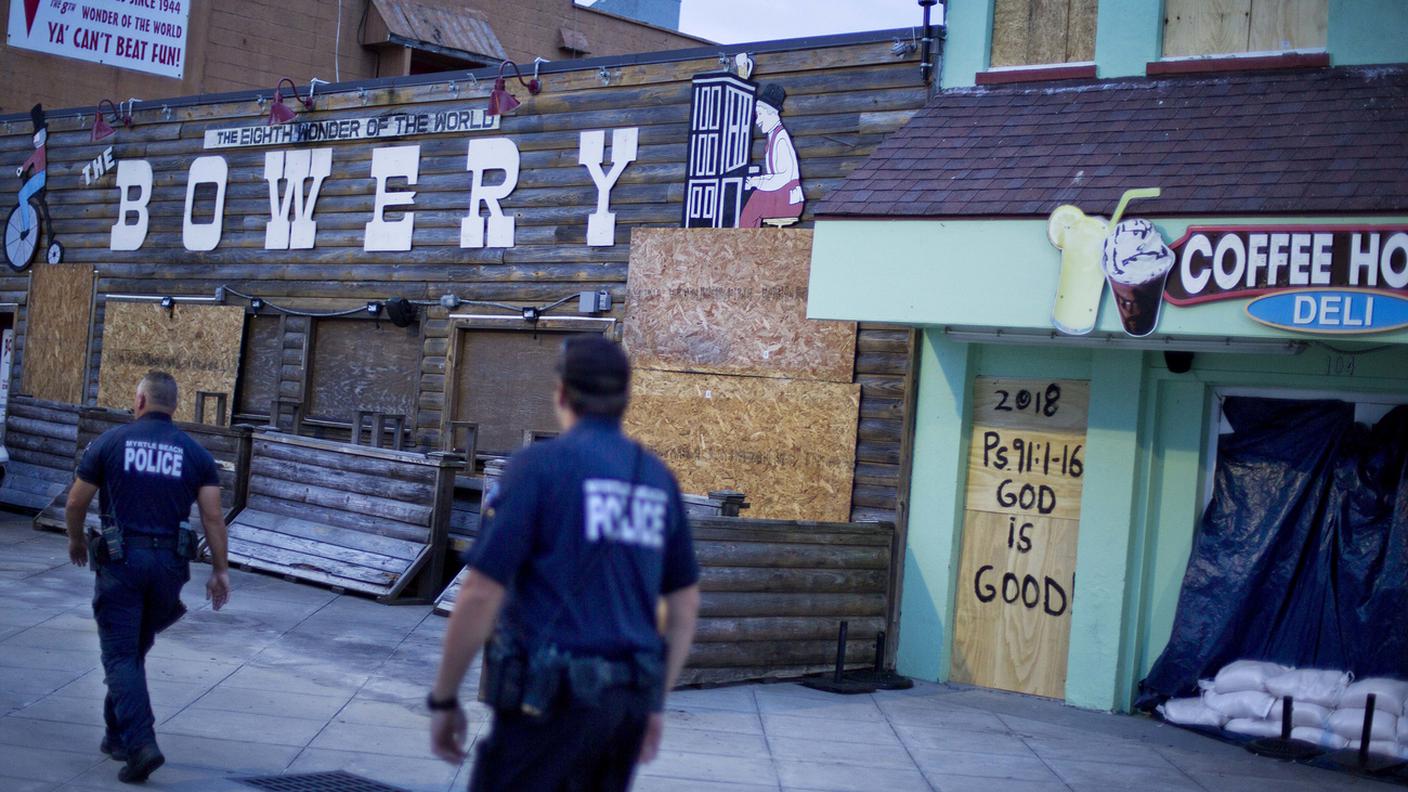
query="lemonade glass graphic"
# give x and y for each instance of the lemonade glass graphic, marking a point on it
(1081, 240)
(1081, 285)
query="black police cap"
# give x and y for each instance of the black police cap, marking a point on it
(594, 365)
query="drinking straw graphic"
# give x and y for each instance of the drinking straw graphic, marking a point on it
(1129, 195)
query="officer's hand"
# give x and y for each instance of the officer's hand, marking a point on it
(448, 732)
(654, 730)
(217, 589)
(78, 551)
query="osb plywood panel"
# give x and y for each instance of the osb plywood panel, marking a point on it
(730, 301)
(199, 345)
(789, 445)
(1288, 24)
(60, 309)
(1206, 27)
(1021, 522)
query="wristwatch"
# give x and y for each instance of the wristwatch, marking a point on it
(452, 703)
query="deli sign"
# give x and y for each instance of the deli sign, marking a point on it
(1315, 279)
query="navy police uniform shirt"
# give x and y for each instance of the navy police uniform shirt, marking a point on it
(586, 531)
(147, 474)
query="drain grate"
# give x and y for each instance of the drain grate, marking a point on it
(336, 781)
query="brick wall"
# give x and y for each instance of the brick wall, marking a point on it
(530, 28)
(252, 43)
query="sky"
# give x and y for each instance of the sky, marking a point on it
(735, 21)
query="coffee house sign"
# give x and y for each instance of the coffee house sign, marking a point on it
(1318, 279)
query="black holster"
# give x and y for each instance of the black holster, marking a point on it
(536, 682)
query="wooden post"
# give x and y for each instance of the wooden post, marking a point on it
(221, 401)
(431, 580)
(245, 438)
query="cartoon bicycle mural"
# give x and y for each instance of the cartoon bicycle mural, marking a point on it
(23, 226)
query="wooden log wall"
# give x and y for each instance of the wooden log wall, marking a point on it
(41, 437)
(229, 446)
(775, 592)
(842, 101)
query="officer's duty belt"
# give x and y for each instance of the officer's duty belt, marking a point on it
(149, 540)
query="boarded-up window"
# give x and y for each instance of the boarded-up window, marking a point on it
(260, 364)
(1039, 32)
(1225, 27)
(359, 364)
(504, 382)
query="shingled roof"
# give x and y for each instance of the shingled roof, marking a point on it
(1324, 140)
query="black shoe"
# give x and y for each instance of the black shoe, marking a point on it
(141, 764)
(113, 749)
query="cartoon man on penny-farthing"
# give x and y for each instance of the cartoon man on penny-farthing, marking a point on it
(22, 227)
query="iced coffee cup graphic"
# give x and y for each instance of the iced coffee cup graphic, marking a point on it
(1137, 263)
(1081, 284)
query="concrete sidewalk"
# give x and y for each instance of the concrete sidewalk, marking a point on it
(291, 678)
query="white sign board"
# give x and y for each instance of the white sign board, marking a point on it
(389, 125)
(143, 35)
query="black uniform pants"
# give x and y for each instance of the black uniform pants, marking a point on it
(133, 600)
(573, 749)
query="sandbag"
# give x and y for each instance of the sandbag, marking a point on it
(1190, 712)
(1390, 695)
(1349, 723)
(1302, 714)
(1382, 748)
(1243, 704)
(1322, 737)
(1246, 675)
(1253, 727)
(1311, 686)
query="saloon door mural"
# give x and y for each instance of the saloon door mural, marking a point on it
(1020, 522)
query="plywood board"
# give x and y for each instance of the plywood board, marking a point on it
(1012, 615)
(1288, 24)
(56, 340)
(199, 345)
(1080, 31)
(1205, 27)
(730, 301)
(789, 445)
(360, 364)
(1046, 405)
(1021, 521)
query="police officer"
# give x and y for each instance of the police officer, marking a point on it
(148, 473)
(585, 534)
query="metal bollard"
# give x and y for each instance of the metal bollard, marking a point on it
(1367, 733)
(840, 653)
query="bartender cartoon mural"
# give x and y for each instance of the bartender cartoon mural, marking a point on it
(22, 226)
(776, 193)
(723, 189)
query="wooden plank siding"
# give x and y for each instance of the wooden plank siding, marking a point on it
(842, 101)
(40, 437)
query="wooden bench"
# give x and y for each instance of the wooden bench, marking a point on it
(229, 446)
(352, 517)
(40, 437)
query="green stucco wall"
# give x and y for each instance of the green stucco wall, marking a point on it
(1367, 31)
(1146, 461)
(1128, 35)
(1147, 435)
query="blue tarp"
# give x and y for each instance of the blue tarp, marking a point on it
(1302, 556)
